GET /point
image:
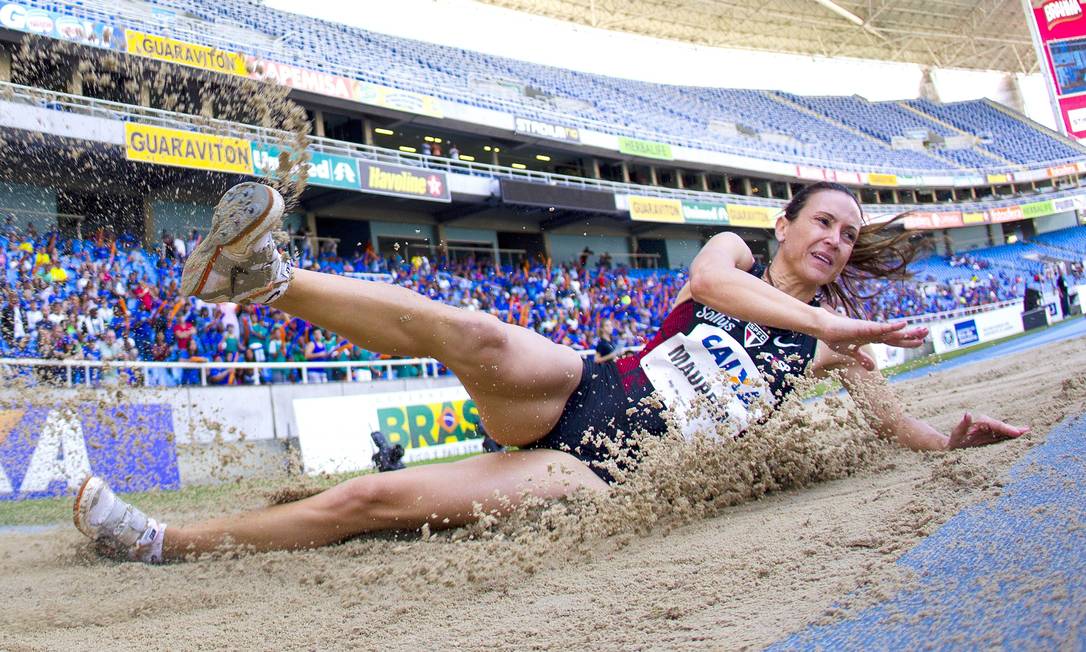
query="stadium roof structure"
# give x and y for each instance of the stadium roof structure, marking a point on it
(975, 34)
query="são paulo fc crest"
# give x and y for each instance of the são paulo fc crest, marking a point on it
(754, 336)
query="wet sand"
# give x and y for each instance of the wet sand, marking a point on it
(742, 576)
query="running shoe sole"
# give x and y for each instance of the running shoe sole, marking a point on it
(84, 501)
(234, 229)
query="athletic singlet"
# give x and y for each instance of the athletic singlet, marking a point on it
(698, 351)
(701, 351)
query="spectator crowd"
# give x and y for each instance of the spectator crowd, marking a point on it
(107, 298)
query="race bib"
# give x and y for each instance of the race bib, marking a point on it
(705, 362)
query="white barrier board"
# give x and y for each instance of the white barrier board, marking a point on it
(334, 431)
(976, 329)
(888, 356)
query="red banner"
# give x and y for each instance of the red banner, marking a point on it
(1059, 31)
(1006, 214)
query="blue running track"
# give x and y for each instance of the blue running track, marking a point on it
(1010, 574)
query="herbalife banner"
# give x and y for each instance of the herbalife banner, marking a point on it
(645, 148)
(1059, 36)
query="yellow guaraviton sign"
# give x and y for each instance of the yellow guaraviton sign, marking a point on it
(755, 217)
(877, 179)
(187, 149)
(186, 54)
(655, 209)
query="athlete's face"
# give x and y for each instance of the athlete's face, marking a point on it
(818, 243)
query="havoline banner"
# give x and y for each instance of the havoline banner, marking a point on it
(401, 181)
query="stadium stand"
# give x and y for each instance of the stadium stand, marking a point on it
(108, 298)
(845, 133)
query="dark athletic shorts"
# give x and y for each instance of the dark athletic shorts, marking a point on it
(599, 404)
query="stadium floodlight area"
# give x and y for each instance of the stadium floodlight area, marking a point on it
(845, 133)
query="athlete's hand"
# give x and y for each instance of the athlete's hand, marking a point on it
(981, 431)
(845, 336)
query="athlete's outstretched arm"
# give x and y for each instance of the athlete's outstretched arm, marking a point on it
(719, 279)
(883, 410)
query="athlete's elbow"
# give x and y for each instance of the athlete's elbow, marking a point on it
(701, 284)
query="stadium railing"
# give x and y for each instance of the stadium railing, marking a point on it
(158, 117)
(927, 318)
(66, 376)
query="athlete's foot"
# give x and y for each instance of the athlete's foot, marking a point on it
(118, 529)
(238, 260)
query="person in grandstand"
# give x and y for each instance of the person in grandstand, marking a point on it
(755, 324)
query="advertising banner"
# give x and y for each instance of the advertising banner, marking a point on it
(22, 18)
(973, 218)
(757, 217)
(187, 149)
(645, 148)
(1006, 214)
(878, 179)
(1051, 302)
(394, 98)
(814, 174)
(549, 130)
(704, 213)
(947, 220)
(49, 451)
(997, 179)
(1077, 203)
(976, 329)
(334, 431)
(401, 181)
(919, 220)
(1068, 170)
(310, 81)
(655, 209)
(1058, 28)
(324, 169)
(525, 193)
(887, 356)
(853, 178)
(1037, 209)
(186, 54)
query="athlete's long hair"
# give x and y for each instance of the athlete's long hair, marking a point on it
(880, 252)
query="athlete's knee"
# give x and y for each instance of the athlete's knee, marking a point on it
(481, 335)
(366, 497)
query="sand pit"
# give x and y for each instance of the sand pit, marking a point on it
(743, 577)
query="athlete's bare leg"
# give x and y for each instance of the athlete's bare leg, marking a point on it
(520, 381)
(442, 495)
